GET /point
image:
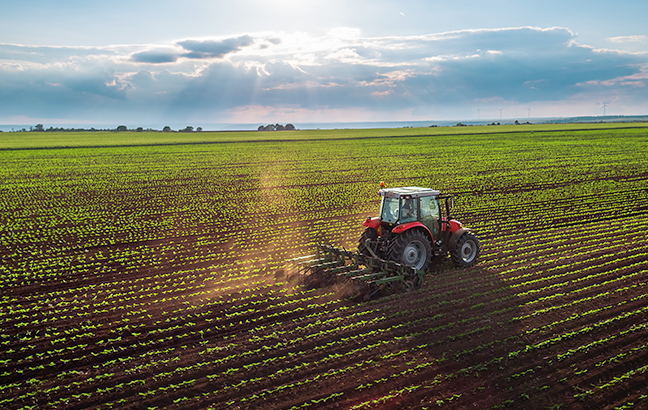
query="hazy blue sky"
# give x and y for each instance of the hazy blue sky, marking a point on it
(138, 62)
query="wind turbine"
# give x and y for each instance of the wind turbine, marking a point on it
(478, 113)
(604, 105)
(500, 113)
(529, 112)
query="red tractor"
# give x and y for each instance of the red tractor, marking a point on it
(414, 226)
(412, 229)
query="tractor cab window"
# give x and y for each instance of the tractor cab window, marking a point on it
(409, 210)
(430, 214)
(389, 210)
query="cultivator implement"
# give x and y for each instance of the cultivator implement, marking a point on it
(367, 275)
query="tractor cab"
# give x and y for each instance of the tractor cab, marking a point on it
(411, 204)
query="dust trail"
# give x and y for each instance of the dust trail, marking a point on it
(267, 237)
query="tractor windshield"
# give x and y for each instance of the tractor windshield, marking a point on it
(389, 209)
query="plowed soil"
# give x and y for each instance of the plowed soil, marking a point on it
(174, 288)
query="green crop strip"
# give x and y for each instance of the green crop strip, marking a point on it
(160, 261)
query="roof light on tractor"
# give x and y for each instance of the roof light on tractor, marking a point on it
(414, 227)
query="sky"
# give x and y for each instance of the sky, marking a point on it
(144, 62)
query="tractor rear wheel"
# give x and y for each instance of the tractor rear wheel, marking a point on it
(369, 233)
(466, 252)
(412, 248)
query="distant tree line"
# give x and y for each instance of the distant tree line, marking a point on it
(123, 128)
(120, 128)
(276, 127)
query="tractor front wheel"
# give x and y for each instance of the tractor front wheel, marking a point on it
(466, 252)
(412, 248)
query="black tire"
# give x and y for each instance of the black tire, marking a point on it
(466, 252)
(369, 233)
(412, 248)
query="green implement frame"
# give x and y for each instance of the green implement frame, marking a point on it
(368, 273)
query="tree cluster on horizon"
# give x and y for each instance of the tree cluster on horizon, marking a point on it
(276, 127)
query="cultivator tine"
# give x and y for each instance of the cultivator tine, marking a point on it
(374, 289)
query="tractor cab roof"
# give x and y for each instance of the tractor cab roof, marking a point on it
(408, 192)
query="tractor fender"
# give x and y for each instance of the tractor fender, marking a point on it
(452, 243)
(373, 223)
(411, 225)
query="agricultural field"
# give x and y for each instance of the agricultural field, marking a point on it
(150, 271)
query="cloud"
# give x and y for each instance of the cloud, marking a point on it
(214, 48)
(49, 54)
(339, 72)
(156, 56)
(195, 49)
(628, 39)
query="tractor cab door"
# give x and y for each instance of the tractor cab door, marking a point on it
(430, 215)
(409, 210)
